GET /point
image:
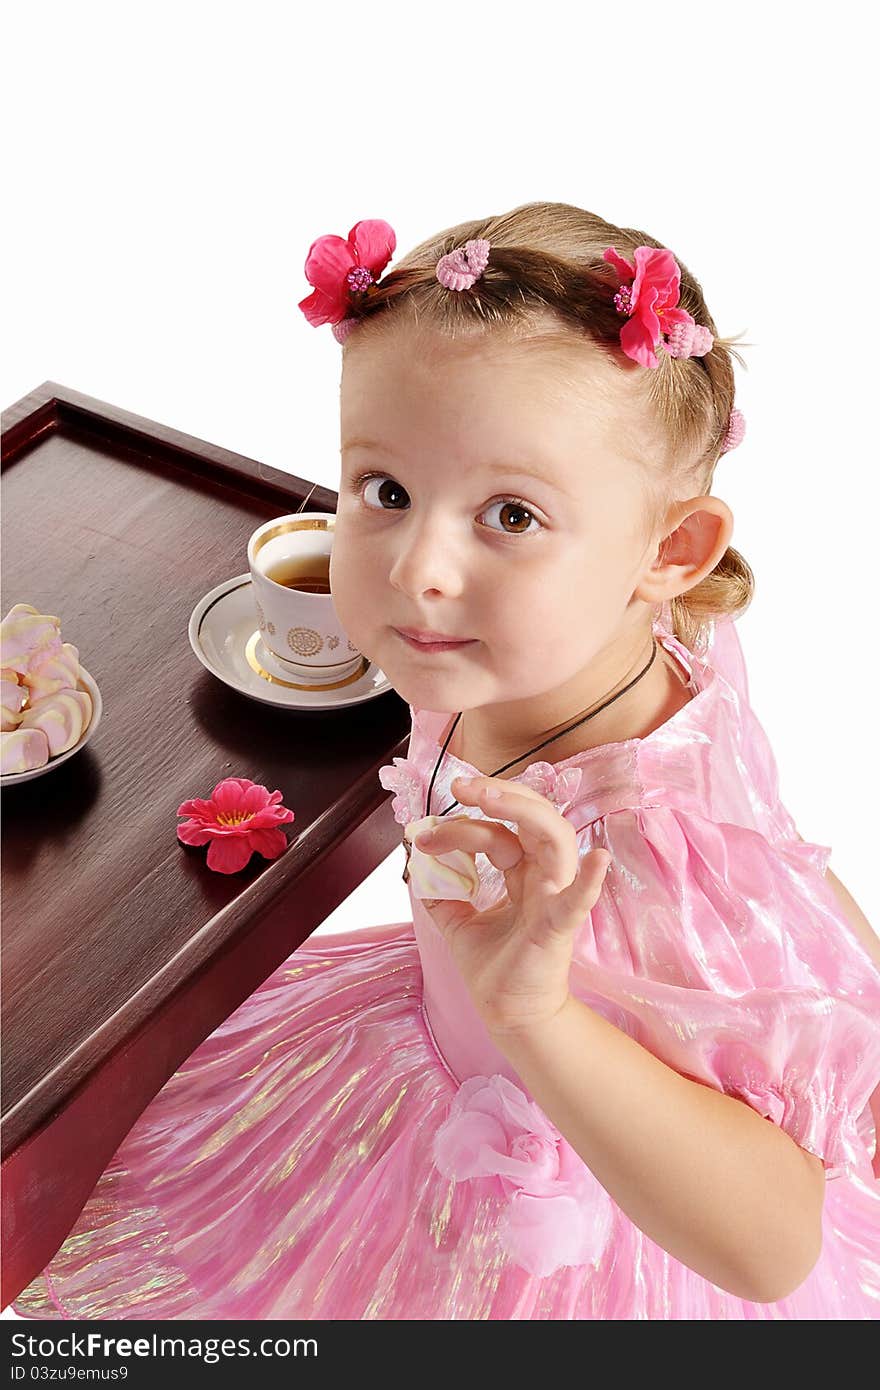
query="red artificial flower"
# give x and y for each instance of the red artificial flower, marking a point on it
(339, 268)
(241, 818)
(649, 297)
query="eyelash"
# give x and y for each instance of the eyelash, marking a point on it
(357, 484)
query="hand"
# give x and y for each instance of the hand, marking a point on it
(516, 957)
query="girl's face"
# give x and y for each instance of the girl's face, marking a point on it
(502, 508)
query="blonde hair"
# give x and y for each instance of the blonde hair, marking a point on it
(546, 261)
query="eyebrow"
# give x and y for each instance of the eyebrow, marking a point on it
(512, 470)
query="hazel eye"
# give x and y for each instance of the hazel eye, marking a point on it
(519, 508)
(386, 494)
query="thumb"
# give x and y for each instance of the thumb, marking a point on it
(581, 895)
(448, 912)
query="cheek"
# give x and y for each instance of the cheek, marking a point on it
(528, 615)
(538, 620)
(352, 587)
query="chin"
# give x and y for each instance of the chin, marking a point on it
(422, 694)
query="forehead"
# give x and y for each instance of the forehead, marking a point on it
(544, 401)
(557, 365)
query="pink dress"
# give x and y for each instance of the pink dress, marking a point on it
(349, 1144)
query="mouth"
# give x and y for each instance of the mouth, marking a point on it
(437, 645)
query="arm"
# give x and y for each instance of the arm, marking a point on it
(706, 1177)
(863, 931)
(858, 923)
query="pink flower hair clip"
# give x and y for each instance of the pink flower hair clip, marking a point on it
(342, 271)
(648, 297)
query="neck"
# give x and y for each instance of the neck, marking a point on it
(485, 739)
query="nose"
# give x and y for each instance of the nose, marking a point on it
(424, 558)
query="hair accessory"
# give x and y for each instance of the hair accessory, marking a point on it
(342, 271)
(688, 340)
(736, 429)
(342, 329)
(649, 298)
(460, 269)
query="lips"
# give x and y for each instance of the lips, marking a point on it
(422, 635)
(432, 648)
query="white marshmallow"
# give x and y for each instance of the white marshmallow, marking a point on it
(22, 750)
(452, 876)
(63, 718)
(13, 698)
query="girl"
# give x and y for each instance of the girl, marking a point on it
(547, 1095)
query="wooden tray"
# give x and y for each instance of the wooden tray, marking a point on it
(121, 950)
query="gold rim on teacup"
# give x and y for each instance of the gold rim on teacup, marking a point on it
(324, 675)
(283, 527)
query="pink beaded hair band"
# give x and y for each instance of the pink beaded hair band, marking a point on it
(341, 271)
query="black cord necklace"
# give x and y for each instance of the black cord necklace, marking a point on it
(551, 739)
(604, 705)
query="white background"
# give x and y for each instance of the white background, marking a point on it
(167, 166)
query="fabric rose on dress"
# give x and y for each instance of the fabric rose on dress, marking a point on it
(560, 788)
(452, 876)
(403, 777)
(558, 1214)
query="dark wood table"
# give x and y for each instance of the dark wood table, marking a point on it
(121, 950)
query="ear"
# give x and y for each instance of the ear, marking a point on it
(694, 537)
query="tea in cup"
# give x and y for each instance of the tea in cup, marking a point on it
(301, 637)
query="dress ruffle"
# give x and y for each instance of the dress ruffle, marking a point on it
(728, 958)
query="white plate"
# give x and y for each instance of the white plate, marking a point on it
(224, 634)
(84, 682)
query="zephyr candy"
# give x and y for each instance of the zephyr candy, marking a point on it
(63, 718)
(22, 750)
(25, 633)
(49, 674)
(452, 876)
(13, 698)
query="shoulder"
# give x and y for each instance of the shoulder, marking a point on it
(856, 920)
(719, 904)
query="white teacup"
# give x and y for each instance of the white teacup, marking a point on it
(301, 637)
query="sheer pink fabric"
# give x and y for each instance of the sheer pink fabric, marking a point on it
(349, 1143)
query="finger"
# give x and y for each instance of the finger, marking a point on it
(499, 844)
(545, 834)
(580, 897)
(500, 784)
(446, 914)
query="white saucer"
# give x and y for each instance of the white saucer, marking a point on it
(90, 685)
(225, 636)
